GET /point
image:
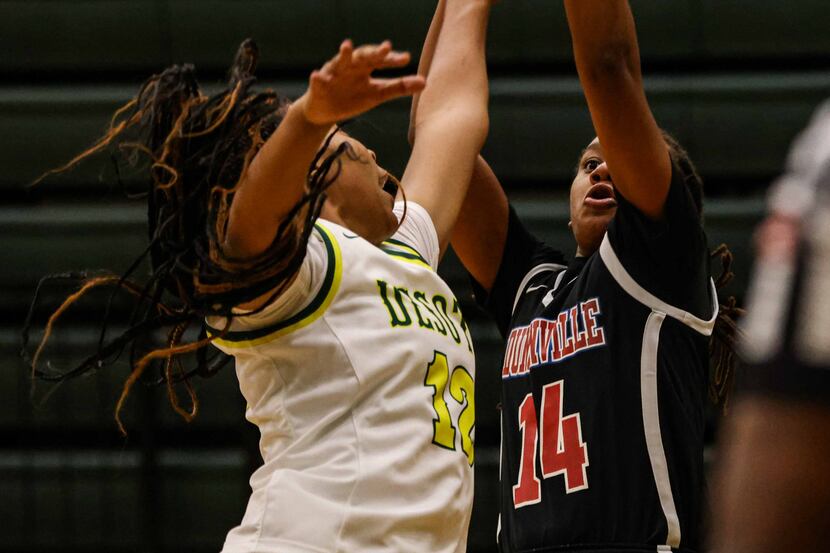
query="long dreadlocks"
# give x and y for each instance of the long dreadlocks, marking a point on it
(195, 150)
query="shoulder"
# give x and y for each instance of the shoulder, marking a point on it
(303, 302)
(416, 232)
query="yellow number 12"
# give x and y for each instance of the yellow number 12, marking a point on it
(462, 390)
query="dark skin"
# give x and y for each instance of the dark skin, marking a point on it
(629, 146)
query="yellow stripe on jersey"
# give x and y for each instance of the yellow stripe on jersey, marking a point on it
(404, 252)
(309, 314)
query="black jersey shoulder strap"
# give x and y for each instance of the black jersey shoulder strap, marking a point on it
(537, 270)
(633, 289)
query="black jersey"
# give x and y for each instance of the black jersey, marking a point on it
(604, 385)
(787, 327)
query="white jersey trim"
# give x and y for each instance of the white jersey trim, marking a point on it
(310, 312)
(615, 267)
(651, 425)
(417, 230)
(544, 267)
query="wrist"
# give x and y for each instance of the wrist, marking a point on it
(300, 109)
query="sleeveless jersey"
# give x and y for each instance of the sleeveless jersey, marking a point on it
(360, 378)
(604, 385)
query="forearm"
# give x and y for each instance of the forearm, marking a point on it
(458, 91)
(451, 119)
(425, 61)
(604, 39)
(274, 183)
(480, 231)
(608, 62)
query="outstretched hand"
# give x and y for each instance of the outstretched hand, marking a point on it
(344, 86)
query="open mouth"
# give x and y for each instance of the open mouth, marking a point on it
(390, 186)
(601, 195)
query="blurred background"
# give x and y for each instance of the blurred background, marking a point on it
(733, 80)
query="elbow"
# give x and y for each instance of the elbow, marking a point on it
(410, 134)
(240, 245)
(612, 62)
(232, 247)
(476, 124)
(483, 129)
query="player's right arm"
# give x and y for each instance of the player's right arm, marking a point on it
(481, 227)
(450, 119)
(607, 59)
(276, 179)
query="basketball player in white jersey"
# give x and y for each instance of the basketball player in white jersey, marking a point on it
(360, 374)
(281, 234)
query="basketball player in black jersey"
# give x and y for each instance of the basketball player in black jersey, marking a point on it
(773, 488)
(604, 378)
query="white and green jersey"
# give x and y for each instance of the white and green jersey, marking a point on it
(360, 378)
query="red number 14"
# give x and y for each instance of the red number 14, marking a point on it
(562, 448)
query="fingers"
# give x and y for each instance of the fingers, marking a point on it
(321, 77)
(388, 89)
(344, 57)
(372, 54)
(378, 56)
(394, 59)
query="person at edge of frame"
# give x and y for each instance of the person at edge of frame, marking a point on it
(771, 491)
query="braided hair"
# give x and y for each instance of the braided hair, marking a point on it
(725, 335)
(194, 150)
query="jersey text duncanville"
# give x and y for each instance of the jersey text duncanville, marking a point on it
(548, 341)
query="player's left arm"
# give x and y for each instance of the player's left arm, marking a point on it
(608, 62)
(450, 119)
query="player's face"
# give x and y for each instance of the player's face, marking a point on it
(593, 199)
(362, 197)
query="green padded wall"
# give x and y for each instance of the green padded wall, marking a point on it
(734, 80)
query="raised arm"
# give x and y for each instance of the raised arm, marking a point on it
(450, 119)
(608, 61)
(425, 61)
(481, 227)
(480, 232)
(276, 178)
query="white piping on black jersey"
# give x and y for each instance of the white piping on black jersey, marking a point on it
(648, 376)
(612, 263)
(651, 425)
(546, 301)
(535, 287)
(501, 460)
(541, 268)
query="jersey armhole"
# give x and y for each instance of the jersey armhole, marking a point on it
(538, 269)
(302, 303)
(416, 237)
(633, 289)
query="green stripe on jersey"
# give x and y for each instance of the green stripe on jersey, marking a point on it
(310, 313)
